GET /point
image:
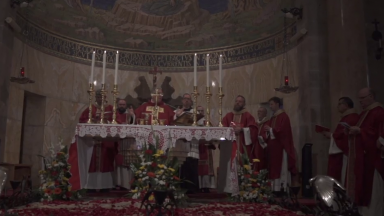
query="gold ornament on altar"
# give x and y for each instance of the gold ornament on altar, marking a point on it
(155, 111)
(90, 92)
(114, 92)
(208, 95)
(221, 95)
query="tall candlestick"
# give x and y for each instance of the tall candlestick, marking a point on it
(104, 65)
(92, 67)
(116, 66)
(195, 70)
(220, 69)
(207, 62)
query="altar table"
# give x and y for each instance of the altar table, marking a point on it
(82, 146)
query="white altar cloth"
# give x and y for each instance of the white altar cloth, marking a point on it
(81, 147)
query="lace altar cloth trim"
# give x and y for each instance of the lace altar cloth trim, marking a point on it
(167, 135)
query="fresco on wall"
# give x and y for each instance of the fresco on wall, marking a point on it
(169, 25)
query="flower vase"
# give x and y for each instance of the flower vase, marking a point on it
(160, 196)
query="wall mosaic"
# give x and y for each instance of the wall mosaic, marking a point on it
(160, 25)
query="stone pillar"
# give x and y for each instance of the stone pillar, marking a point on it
(374, 10)
(313, 76)
(347, 52)
(6, 50)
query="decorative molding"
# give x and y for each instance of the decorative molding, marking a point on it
(139, 60)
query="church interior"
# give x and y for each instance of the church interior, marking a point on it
(307, 53)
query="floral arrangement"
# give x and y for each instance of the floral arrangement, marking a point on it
(254, 186)
(55, 175)
(155, 171)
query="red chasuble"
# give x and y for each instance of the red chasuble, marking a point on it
(260, 152)
(165, 112)
(205, 159)
(245, 120)
(104, 153)
(122, 118)
(335, 161)
(364, 157)
(281, 127)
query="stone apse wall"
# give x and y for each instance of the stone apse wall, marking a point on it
(61, 70)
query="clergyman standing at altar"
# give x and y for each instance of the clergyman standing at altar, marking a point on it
(365, 169)
(260, 149)
(102, 166)
(189, 169)
(123, 174)
(244, 125)
(146, 111)
(338, 148)
(281, 150)
(206, 170)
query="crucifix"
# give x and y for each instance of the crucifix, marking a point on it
(155, 72)
(155, 112)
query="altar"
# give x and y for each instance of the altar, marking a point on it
(169, 138)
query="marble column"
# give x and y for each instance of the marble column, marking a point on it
(374, 10)
(347, 52)
(314, 89)
(6, 49)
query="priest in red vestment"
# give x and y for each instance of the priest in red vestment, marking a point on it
(365, 165)
(338, 148)
(244, 125)
(146, 110)
(281, 150)
(104, 152)
(259, 149)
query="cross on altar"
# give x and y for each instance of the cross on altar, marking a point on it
(155, 72)
(155, 112)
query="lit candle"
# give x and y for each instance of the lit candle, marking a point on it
(104, 65)
(207, 62)
(195, 70)
(116, 66)
(220, 69)
(92, 67)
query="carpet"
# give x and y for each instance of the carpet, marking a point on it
(123, 206)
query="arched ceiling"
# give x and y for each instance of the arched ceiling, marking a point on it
(159, 25)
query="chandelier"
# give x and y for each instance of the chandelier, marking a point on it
(21, 78)
(285, 87)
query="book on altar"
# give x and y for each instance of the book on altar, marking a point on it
(321, 129)
(186, 119)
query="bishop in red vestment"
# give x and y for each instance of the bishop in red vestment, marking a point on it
(339, 149)
(365, 165)
(280, 146)
(259, 149)
(244, 125)
(145, 111)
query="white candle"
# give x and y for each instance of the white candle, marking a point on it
(220, 69)
(195, 70)
(92, 67)
(116, 66)
(104, 65)
(207, 62)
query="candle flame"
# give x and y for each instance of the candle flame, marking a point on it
(207, 55)
(95, 82)
(94, 51)
(117, 51)
(221, 55)
(105, 51)
(195, 53)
